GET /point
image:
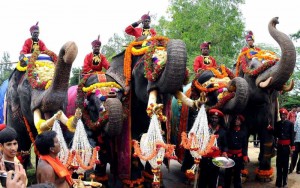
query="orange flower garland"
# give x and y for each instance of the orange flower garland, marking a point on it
(138, 153)
(31, 135)
(264, 173)
(217, 73)
(187, 143)
(131, 183)
(128, 53)
(201, 88)
(92, 162)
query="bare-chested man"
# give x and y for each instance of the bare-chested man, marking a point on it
(49, 168)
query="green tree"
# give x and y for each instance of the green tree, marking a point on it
(116, 44)
(6, 67)
(218, 21)
(75, 78)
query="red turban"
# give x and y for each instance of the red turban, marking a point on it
(2, 126)
(96, 42)
(249, 36)
(34, 27)
(283, 111)
(205, 45)
(145, 17)
(215, 112)
(241, 117)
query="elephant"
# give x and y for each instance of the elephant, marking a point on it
(102, 117)
(143, 93)
(222, 90)
(3, 89)
(30, 107)
(266, 80)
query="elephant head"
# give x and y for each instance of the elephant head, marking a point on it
(28, 106)
(265, 79)
(101, 111)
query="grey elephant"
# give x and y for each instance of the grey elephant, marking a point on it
(33, 104)
(266, 80)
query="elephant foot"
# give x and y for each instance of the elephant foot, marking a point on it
(264, 175)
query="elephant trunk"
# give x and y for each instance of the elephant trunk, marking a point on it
(238, 103)
(281, 71)
(173, 75)
(56, 95)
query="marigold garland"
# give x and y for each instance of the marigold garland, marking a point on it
(131, 183)
(217, 73)
(264, 173)
(99, 85)
(128, 53)
(138, 152)
(244, 172)
(31, 66)
(32, 139)
(152, 70)
(223, 101)
(143, 50)
(160, 115)
(208, 90)
(92, 162)
(242, 61)
(20, 68)
(187, 143)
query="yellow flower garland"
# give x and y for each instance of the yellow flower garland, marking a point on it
(20, 68)
(69, 124)
(99, 85)
(49, 83)
(44, 64)
(143, 50)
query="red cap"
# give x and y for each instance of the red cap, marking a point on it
(96, 42)
(205, 45)
(241, 117)
(215, 112)
(34, 27)
(145, 17)
(249, 36)
(283, 111)
(2, 126)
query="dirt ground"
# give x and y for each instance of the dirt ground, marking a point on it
(175, 178)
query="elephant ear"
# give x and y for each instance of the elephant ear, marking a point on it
(172, 78)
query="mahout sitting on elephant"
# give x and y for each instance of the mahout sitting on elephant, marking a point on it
(266, 75)
(37, 94)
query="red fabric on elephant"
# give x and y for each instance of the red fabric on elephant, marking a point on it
(72, 95)
(89, 66)
(29, 46)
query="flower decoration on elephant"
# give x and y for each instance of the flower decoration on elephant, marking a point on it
(266, 58)
(102, 90)
(214, 80)
(40, 69)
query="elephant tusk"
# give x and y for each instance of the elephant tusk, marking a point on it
(289, 87)
(265, 83)
(47, 124)
(185, 100)
(152, 97)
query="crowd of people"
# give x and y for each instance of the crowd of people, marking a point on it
(231, 140)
